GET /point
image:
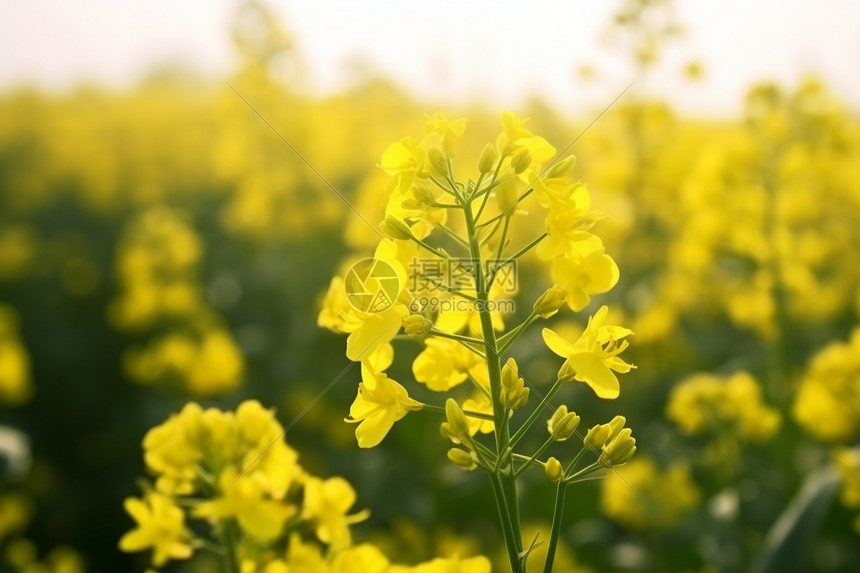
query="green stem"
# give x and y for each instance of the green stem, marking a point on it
(534, 415)
(523, 251)
(441, 410)
(446, 189)
(458, 337)
(433, 250)
(557, 513)
(513, 203)
(534, 456)
(457, 238)
(506, 497)
(509, 338)
(489, 188)
(228, 539)
(507, 527)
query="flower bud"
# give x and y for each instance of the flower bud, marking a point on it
(619, 450)
(416, 325)
(396, 228)
(596, 437)
(489, 156)
(562, 167)
(521, 161)
(563, 424)
(514, 393)
(437, 160)
(553, 469)
(550, 301)
(615, 426)
(458, 425)
(423, 194)
(462, 458)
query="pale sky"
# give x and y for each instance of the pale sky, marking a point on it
(501, 51)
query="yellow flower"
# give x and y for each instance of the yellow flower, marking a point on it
(732, 406)
(213, 441)
(160, 526)
(828, 401)
(380, 402)
(567, 226)
(444, 364)
(480, 403)
(245, 500)
(304, 557)
(364, 558)
(584, 275)
(515, 137)
(326, 503)
(335, 305)
(371, 332)
(646, 497)
(403, 160)
(448, 131)
(453, 565)
(593, 357)
(15, 384)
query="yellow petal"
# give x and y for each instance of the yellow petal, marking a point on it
(592, 370)
(373, 429)
(557, 344)
(377, 330)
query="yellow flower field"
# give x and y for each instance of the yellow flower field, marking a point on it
(246, 328)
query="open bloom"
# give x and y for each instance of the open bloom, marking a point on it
(327, 504)
(584, 275)
(160, 526)
(381, 401)
(593, 357)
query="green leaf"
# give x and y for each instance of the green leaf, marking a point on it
(786, 548)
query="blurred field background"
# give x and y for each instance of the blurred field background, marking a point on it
(160, 244)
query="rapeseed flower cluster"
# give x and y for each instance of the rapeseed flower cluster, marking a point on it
(443, 241)
(645, 497)
(708, 405)
(233, 472)
(827, 403)
(157, 268)
(16, 386)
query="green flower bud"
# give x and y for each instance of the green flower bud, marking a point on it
(550, 301)
(615, 426)
(619, 450)
(521, 161)
(424, 195)
(562, 167)
(598, 436)
(563, 424)
(514, 393)
(462, 458)
(396, 228)
(554, 470)
(458, 425)
(416, 325)
(437, 161)
(489, 156)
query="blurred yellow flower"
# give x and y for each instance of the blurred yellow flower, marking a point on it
(644, 497)
(160, 527)
(705, 404)
(326, 504)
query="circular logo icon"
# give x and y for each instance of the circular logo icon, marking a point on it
(371, 285)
